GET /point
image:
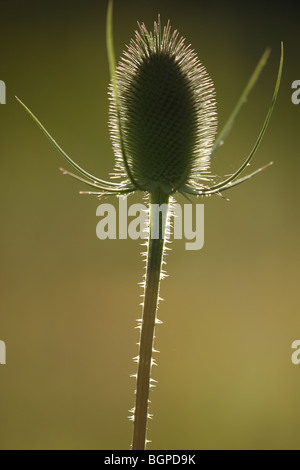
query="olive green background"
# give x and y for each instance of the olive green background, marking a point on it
(69, 302)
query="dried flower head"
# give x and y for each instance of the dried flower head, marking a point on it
(167, 111)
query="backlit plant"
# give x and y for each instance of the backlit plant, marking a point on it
(163, 123)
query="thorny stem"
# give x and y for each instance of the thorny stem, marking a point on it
(153, 276)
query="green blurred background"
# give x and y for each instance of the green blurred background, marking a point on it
(69, 301)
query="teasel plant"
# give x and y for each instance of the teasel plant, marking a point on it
(163, 124)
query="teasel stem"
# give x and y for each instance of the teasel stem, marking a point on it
(158, 224)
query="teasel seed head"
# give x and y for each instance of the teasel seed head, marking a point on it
(162, 112)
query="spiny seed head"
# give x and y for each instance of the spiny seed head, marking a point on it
(163, 114)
